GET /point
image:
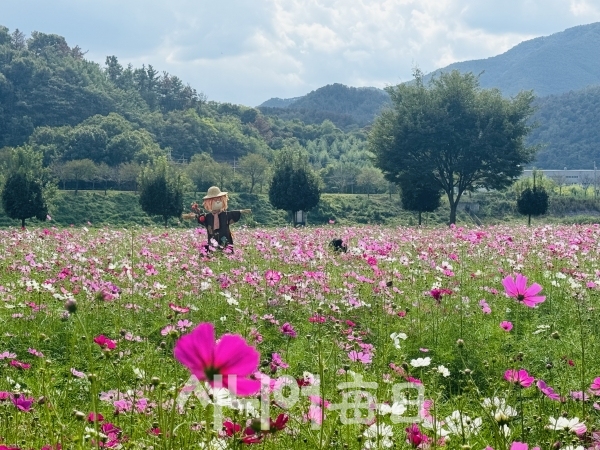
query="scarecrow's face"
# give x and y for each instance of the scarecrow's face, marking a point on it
(216, 205)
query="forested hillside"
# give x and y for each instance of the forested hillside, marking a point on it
(345, 106)
(97, 125)
(568, 130)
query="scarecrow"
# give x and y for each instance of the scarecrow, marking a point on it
(216, 219)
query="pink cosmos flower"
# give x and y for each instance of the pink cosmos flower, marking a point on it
(506, 325)
(168, 329)
(518, 377)
(179, 309)
(438, 293)
(22, 403)
(77, 373)
(230, 356)
(92, 417)
(414, 436)
(595, 386)
(314, 415)
(105, 342)
(272, 277)
(521, 446)
(547, 390)
(485, 307)
(362, 357)
(184, 324)
(19, 364)
(288, 330)
(35, 352)
(517, 288)
(8, 355)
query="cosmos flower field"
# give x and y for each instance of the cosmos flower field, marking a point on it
(454, 338)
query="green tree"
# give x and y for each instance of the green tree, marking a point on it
(371, 180)
(104, 173)
(253, 167)
(27, 188)
(161, 190)
(533, 201)
(201, 171)
(460, 135)
(420, 195)
(79, 170)
(128, 174)
(294, 186)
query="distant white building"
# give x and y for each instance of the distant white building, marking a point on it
(565, 177)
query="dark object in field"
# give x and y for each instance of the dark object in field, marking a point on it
(338, 245)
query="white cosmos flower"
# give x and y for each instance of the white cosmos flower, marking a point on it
(379, 436)
(562, 423)
(396, 338)
(462, 424)
(502, 412)
(440, 431)
(443, 371)
(420, 362)
(215, 444)
(397, 409)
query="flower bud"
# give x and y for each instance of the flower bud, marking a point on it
(71, 306)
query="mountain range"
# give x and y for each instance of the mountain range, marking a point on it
(562, 69)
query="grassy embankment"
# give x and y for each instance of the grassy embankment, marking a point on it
(123, 209)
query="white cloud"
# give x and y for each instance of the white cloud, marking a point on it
(585, 9)
(246, 51)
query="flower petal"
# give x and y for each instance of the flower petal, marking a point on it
(532, 290)
(233, 356)
(242, 386)
(521, 283)
(509, 286)
(196, 349)
(532, 301)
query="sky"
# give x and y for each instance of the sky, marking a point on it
(248, 51)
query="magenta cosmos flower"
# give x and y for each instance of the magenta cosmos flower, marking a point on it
(506, 325)
(521, 446)
(547, 390)
(231, 357)
(517, 288)
(518, 377)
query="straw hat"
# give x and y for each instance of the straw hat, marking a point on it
(213, 192)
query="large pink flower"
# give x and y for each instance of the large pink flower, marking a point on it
(231, 357)
(519, 377)
(517, 288)
(521, 446)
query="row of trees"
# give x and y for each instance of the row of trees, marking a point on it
(28, 186)
(250, 173)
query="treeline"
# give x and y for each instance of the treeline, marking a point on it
(97, 126)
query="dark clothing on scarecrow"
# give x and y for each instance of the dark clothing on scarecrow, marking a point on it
(222, 235)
